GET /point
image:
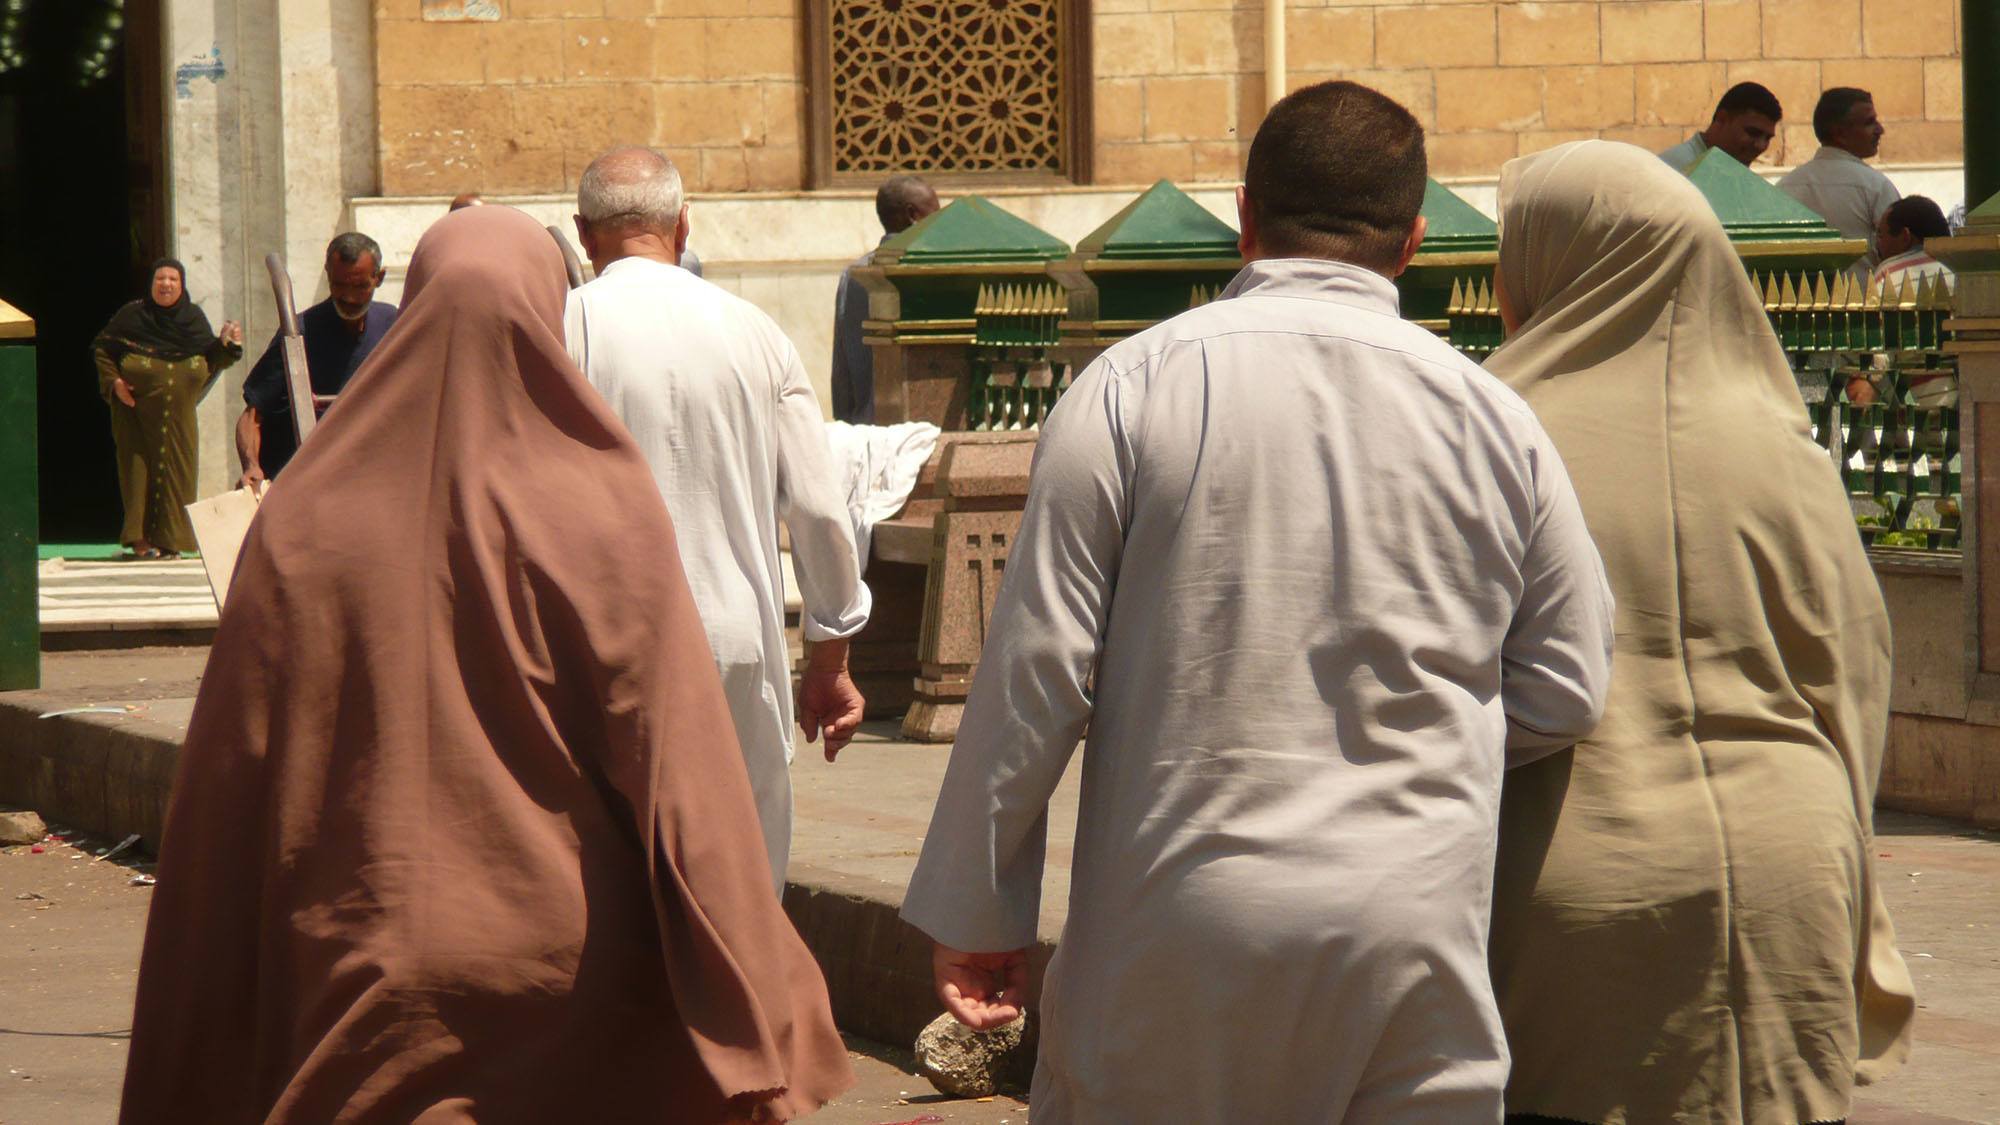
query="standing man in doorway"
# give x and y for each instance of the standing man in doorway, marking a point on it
(900, 202)
(339, 333)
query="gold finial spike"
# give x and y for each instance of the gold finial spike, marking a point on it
(1927, 293)
(1820, 297)
(981, 303)
(1838, 298)
(1907, 298)
(1789, 300)
(1483, 303)
(1456, 304)
(1771, 291)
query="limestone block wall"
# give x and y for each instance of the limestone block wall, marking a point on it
(519, 104)
(1180, 82)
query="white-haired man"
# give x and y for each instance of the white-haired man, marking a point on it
(721, 407)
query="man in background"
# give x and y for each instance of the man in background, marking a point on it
(722, 408)
(1837, 182)
(1743, 125)
(339, 333)
(900, 202)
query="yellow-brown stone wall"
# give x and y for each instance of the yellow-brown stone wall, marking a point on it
(522, 103)
(1180, 83)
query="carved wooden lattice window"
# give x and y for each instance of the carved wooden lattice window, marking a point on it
(953, 89)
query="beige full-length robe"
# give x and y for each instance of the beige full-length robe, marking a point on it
(1685, 924)
(1330, 576)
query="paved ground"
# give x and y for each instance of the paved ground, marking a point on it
(70, 928)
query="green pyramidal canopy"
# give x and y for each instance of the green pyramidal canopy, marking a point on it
(971, 231)
(1751, 209)
(1985, 218)
(1454, 226)
(1163, 223)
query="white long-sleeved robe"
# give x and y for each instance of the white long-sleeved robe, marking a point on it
(1332, 578)
(725, 414)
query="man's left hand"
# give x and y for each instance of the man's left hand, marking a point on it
(980, 990)
(829, 704)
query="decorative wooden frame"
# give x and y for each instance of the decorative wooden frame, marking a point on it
(1074, 114)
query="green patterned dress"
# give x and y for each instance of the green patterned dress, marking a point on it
(157, 439)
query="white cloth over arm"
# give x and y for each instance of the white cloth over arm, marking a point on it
(1318, 570)
(720, 405)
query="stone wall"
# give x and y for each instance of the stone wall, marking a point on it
(1180, 85)
(521, 103)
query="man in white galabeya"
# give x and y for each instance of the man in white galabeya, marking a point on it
(1312, 580)
(722, 409)
(1838, 183)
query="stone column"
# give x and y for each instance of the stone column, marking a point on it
(270, 127)
(1975, 328)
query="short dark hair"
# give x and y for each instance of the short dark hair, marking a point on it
(897, 196)
(1750, 97)
(1833, 108)
(1337, 170)
(349, 247)
(1919, 215)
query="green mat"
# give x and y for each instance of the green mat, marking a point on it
(79, 550)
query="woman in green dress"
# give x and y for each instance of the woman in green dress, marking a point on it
(155, 360)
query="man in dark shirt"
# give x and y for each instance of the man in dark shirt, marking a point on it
(339, 333)
(899, 202)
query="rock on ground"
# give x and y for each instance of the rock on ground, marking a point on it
(21, 826)
(976, 1064)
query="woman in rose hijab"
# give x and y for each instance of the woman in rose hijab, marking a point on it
(461, 832)
(1686, 925)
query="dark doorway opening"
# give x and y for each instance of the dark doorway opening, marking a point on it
(82, 214)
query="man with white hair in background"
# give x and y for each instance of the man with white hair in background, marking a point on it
(722, 408)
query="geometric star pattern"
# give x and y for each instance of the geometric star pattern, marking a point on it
(946, 85)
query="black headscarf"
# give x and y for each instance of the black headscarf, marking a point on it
(171, 333)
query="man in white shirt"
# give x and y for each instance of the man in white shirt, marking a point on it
(723, 410)
(1900, 235)
(1743, 125)
(1311, 579)
(1837, 183)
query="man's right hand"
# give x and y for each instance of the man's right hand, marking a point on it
(123, 390)
(981, 990)
(252, 478)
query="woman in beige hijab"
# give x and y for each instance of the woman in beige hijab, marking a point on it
(461, 831)
(1686, 925)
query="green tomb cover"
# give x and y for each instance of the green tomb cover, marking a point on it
(1751, 209)
(1163, 223)
(1453, 225)
(972, 231)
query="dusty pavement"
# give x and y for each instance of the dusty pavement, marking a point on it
(70, 929)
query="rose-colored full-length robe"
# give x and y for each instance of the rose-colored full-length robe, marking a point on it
(460, 831)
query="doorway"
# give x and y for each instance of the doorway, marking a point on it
(82, 214)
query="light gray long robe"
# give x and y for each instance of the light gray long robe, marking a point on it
(1332, 577)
